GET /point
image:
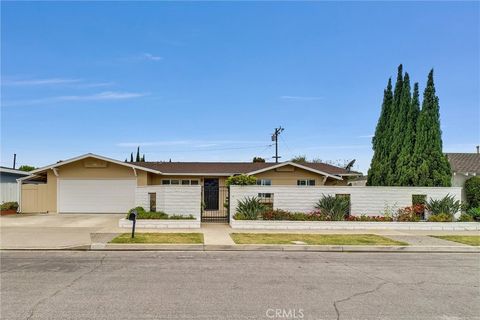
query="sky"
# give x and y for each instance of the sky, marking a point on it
(209, 81)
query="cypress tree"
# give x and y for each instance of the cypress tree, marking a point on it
(378, 170)
(143, 158)
(432, 166)
(137, 158)
(131, 157)
(394, 122)
(405, 164)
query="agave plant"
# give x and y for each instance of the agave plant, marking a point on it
(334, 207)
(250, 208)
(447, 205)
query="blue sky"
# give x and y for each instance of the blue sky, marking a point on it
(199, 81)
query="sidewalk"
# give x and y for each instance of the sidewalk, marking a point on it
(84, 231)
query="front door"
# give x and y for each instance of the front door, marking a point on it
(210, 194)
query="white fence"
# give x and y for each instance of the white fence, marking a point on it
(8, 192)
(364, 200)
(173, 200)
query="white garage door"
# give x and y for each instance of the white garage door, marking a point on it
(96, 196)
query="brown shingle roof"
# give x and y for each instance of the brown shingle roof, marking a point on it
(228, 168)
(464, 162)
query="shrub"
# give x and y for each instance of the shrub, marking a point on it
(472, 192)
(369, 218)
(447, 205)
(334, 207)
(465, 217)
(474, 213)
(138, 209)
(241, 180)
(441, 217)
(408, 214)
(250, 208)
(9, 206)
(279, 214)
(142, 214)
(239, 216)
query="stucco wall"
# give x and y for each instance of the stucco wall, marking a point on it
(178, 200)
(364, 200)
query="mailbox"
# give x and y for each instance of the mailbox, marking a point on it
(132, 216)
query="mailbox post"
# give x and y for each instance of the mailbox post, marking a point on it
(133, 217)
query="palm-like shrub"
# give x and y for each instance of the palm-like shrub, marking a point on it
(334, 207)
(447, 205)
(250, 208)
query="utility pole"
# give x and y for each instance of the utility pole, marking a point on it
(14, 160)
(275, 138)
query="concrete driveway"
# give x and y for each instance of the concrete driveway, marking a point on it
(53, 230)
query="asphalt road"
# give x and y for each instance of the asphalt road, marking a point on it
(239, 285)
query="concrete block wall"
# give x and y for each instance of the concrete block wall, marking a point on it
(364, 200)
(173, 200)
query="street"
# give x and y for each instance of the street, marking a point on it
(238, 285)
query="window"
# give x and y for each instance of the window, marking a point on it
(264, 182)
(265, 195)
(305, 182)
(185, 182)
(153, 201)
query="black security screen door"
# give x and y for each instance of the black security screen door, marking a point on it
(210, 194)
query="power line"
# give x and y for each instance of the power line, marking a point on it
(275, 138)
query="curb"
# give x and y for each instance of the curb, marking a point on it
(283, 248)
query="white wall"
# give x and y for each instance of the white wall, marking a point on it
(8, 192)
(364, 200)
(173, 200)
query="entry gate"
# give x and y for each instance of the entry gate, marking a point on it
(215, 204)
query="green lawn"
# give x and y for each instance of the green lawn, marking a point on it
(318, 239)
(165, 238)
(470, 240)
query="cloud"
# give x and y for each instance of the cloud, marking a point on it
(151, 57)
(39, 82)
(102, 96)
(366, 136)
(300, 98)
(77, 83)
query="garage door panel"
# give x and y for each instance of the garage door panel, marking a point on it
(96, 196)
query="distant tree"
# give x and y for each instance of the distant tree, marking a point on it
(379, 166)
(258, 159)
(137, 158)
(432, 166)
(26, 168)
(342, 163)
(126, 160)
(299, 159)
(143, 158)
(131, 157)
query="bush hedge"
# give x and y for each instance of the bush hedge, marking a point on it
(142, 214)
(9, 206)
(472, 192)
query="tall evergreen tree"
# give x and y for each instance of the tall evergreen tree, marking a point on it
(137, 158)
(394, 121)
(405, 165)
(432, 166)
(131, 157)
(399, 131)
(143, 158)
(378, 169)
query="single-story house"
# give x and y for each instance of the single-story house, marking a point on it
(464, 166)
(95, 184)
(8, 183)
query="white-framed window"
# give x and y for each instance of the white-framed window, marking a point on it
(305, 182)
(184, 182)
(265, 195)
(264, 182)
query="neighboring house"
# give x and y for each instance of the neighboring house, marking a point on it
(8, 183)
(360, 181)
(96, 184)
(464, 166)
